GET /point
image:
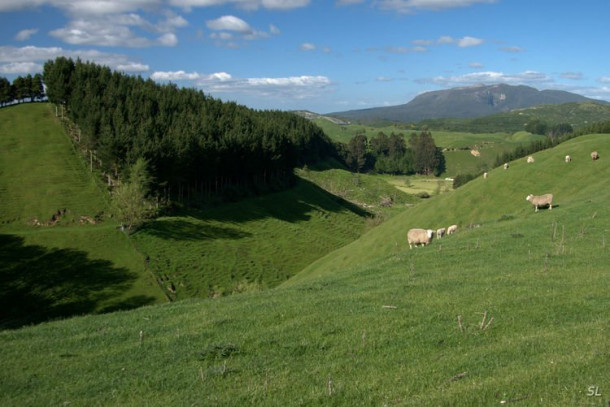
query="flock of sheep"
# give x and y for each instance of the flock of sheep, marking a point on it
(423, 237)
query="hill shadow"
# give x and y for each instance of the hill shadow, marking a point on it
(291, 205)
(38, 284)
(179, 229)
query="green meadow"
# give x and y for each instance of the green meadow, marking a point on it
(62, 252)
(512, 309)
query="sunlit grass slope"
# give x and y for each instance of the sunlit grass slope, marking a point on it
(512, 312)
(487, 201)
(54, 262)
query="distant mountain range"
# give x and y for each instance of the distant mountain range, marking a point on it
(465, 102)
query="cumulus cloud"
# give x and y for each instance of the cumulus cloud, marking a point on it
(30, 58)
(245, 4)
(290, 87)
(412, 6)
(229, 23)
(20, 68)
(231, 31)
(25, 35)
(490, 77)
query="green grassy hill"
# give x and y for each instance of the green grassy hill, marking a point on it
(62, 254)
(511, 310)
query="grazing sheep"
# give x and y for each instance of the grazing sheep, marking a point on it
(594, 155)
(419, 237)
(485, 175)
(451, 229)
(530, 159)
(568, 158)
(505, 166)
(440, 233)
(540, 201)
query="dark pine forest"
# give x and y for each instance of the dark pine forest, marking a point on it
(196, 147)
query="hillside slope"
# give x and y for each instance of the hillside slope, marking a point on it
(512, 311)
(469, 101)
(62, 254)
(484, 202)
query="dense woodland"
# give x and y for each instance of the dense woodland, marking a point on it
(195, 146)
(392, 155)
(24, 88)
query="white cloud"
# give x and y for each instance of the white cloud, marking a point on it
(307, 46)
(490, 77)
(21, 68)
(245, 4)
(168, 40)
(469, 42)
(132, 67)
(25, 35)
(230, 31)
(30, 57)
(604, 79)
(288, 88)
(174, 76)
(411, 6)
(476, 65)
(229, 23)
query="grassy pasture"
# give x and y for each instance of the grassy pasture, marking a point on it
(249, 245)
(457, 145)
(53, 269)
(512, 310)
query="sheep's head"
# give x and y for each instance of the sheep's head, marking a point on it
(430, 233)
(529, 197)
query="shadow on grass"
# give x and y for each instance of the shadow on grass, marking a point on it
(296, 204)
(180, 229)
(38, 284)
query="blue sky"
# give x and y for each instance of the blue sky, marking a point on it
(323, 56)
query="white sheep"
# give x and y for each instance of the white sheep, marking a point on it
(505, 166)
(452, 229)
(530, 159)
(419, 237)
(594, 155)
(440, 233)
(485, 175)
(541, 201)
(568, 158)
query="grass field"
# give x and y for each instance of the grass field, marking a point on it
(253, 244)
(513, 309)
(457, 145)
(55, 263)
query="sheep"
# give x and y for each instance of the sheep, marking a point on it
(440, 233)
(505, 166)
(452, 229)
(568, 158)
(419, 237)
(485, 175)
(540, 201)
(530, 159)
(594, 155)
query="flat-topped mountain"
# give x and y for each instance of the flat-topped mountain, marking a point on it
(464, 102)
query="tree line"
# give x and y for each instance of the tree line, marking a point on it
(393, 155)
(23, 88)
(195, 146)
